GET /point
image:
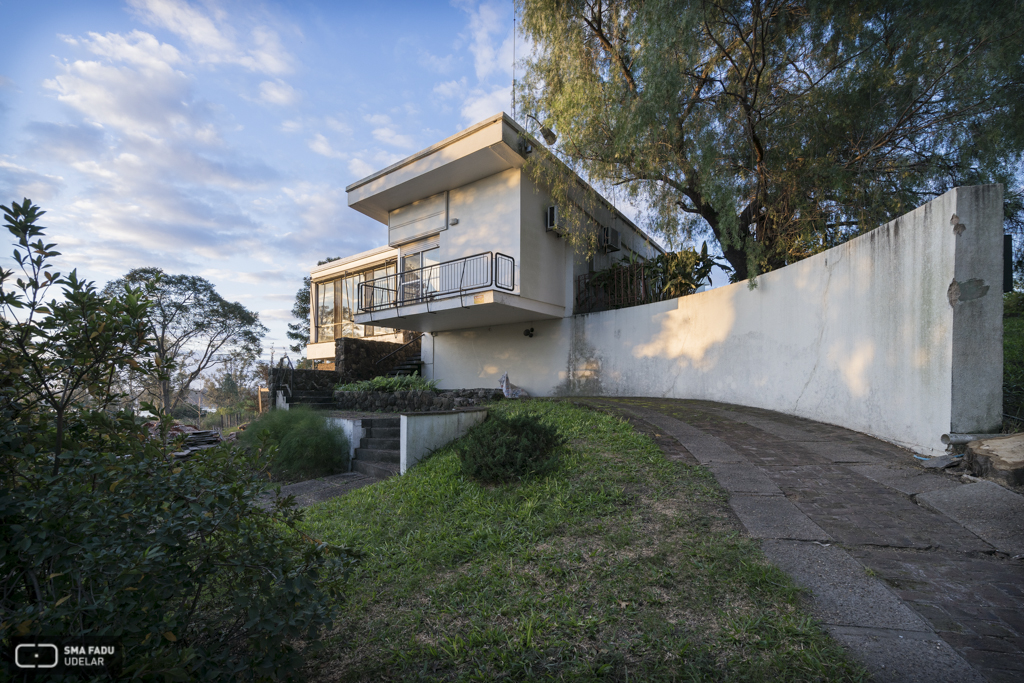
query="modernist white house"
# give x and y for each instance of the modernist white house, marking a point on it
(896, 333)
(473, 246)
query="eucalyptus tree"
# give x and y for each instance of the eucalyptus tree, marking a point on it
(780, 127)
(192, 329)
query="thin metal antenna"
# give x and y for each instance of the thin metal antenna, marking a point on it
(513, 60)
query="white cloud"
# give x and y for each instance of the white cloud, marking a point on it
(359, 168)
(378, 119)
(450, 89)
(152, 100)
(212, 38)
(338, 125)
(490, 28)
(291, 126)
(389, 136)
(481, 104)
(322, 146)
(17, 182)
(277, 92)
(138, 48)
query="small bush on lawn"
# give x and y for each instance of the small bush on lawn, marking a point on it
(510, 447)
(407, 383)
(307, 446)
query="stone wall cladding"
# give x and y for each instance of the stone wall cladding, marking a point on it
(356, 359)
(413, 401)
(304, 380)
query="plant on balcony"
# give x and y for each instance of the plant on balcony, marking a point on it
(639, 282)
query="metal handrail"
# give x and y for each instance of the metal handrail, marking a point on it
(384, 358)
(438, 280)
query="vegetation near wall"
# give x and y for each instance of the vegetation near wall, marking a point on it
(775, 128)
(307, 446)
(103, 533)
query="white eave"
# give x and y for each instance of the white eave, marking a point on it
(479, 151)
(354, 262)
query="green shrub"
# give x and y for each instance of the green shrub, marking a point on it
(1013, 304)
(102, 532)
(509, 448)
(307, 446)
(388, 384)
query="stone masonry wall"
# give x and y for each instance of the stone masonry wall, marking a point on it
(356, 359)
(413, 401)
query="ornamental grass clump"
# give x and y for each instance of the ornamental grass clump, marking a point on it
(307, 445)
(508, 448)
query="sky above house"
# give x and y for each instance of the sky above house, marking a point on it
(216, 138)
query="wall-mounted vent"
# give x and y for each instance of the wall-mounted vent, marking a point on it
(551, 223)
(609, 239)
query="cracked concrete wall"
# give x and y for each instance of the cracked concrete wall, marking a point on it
(897, 333)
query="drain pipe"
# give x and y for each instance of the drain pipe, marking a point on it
(961, 439)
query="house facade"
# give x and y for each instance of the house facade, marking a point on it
(473, 246)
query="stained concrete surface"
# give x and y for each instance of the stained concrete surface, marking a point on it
(912, 569)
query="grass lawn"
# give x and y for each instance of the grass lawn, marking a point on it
(620, 566)
(1013, 372)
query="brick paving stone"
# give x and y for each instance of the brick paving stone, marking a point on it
(862, 492)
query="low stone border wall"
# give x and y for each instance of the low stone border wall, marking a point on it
(413, 401)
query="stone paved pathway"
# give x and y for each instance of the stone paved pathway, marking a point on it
(318, 490)
(918, 572)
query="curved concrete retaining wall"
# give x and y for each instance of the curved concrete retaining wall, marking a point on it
(897, 333)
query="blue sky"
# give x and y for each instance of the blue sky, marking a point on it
(216, 138)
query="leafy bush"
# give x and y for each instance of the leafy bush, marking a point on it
(1013, 304)
(102, 532)
(509, 447)
(388, 384)
(307, 446)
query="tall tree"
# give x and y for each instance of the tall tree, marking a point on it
(780, 127)
(299, 332)
(192, 328)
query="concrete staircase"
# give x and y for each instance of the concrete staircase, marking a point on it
(379, 451)
(321, 399)
(412, 364)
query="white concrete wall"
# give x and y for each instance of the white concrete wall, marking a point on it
(488, 215)
(354, 433)
(872, 335)
(424, 433)
(542, 252)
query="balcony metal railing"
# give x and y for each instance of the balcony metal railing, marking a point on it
(439, 281)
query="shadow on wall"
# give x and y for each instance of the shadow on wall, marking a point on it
(865, 335)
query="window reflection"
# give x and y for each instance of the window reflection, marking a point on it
(337, 302)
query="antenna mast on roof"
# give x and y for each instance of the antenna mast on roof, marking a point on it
(513, 60)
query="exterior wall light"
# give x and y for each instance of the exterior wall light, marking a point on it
(528, 333)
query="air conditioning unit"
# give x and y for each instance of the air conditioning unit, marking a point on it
(551, 223)
(609, 239)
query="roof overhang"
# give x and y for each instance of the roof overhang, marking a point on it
(479, 151)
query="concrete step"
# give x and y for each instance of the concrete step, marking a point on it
(383, 422)
(381, 444)
(378, 470)
(384, 433)
(378, 455)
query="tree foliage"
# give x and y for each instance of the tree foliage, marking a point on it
(780, 127)
(179, 560)
(299, 332)
(192, 327)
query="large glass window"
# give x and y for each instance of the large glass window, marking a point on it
(337, 303)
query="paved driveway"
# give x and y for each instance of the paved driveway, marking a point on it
(919, 572)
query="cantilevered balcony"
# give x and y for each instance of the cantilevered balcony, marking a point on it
(472, 291)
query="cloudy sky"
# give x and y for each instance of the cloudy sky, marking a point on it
(216, 138)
